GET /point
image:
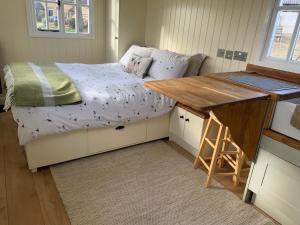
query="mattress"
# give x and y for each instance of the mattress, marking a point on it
(282, 118)
(110, 97)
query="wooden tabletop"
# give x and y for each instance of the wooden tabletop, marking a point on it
(204, 93)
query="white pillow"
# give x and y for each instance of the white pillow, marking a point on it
(138, 65)
(137, 50)
(167, 65)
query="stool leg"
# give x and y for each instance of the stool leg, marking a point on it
(202, 144)
(214, 157)
(240, 161)
(225, 146)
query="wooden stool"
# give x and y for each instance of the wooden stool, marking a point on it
(235, 158)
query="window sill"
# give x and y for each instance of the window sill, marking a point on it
(39, 34)
(280, 64)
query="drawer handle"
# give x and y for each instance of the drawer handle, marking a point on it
(181, 117)
(187, 120)
(120, 127)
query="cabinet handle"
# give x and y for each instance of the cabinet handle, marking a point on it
(187, 120)
(181, 117)
(120, 127)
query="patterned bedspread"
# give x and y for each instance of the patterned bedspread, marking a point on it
(110, 97)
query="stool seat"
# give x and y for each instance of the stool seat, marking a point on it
(221, 153)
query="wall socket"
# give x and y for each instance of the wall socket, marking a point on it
(232, 55)
(221, 53)
(240, 56)
(229, 54)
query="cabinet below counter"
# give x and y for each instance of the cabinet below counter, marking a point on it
(187, 128)
(275, 181)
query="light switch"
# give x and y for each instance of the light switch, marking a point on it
(229, 54)
(240, 56)
(221, 53)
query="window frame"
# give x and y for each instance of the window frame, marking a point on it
(270, 35)
(34, 32)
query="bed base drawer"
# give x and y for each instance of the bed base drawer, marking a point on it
(77, 144)
(101, 140)
(56, 148)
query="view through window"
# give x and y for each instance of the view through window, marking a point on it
(62, 16)
(283, 41)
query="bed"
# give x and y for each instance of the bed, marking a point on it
(116, 111)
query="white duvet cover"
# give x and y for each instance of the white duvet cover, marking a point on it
(111, 97)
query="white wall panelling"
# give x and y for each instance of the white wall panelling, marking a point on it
(192, 26)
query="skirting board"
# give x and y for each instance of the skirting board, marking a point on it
(59, 148)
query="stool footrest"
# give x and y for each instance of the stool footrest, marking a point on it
(230, 161)
(225, 174)
(229, 152)
(203, 162)
(210, 143)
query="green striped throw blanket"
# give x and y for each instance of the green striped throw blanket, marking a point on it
(31, 84)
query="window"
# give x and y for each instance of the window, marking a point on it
(60, 18)
(283, 41)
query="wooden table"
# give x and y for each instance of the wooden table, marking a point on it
(241, 109)
(245, 109)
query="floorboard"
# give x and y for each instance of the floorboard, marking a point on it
(3, 200)
(52, 207)
(22, 200)
(28, 199)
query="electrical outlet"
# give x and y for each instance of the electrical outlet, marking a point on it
(221, 53)
(229, 54)
(240, 56)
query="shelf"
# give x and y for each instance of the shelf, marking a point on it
(283, 139)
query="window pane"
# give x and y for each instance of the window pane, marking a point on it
(70, 18)
(53, 16)
(283, 32)
(83, 19)
(69, 1)
(296, 53)
(40, 15)
(85, 2)
(290, 2)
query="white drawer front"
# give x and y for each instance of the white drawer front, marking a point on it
(100, 140)
(59, 148)
(193, 129)
(177, 121)
(276, 184)
(158, 127)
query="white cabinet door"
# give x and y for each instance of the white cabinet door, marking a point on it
(177, 122)
(276, 184)
(193, 129)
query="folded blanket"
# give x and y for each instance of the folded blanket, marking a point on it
(295, 121)
(30, 84)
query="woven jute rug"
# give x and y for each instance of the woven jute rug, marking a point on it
(148, 184)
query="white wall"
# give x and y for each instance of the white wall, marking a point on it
(125, 20)
(17, 45)
(112, 30)
(192, 26)
(132, 19)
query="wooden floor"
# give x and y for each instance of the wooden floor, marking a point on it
(25, 198)
(32, 199)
